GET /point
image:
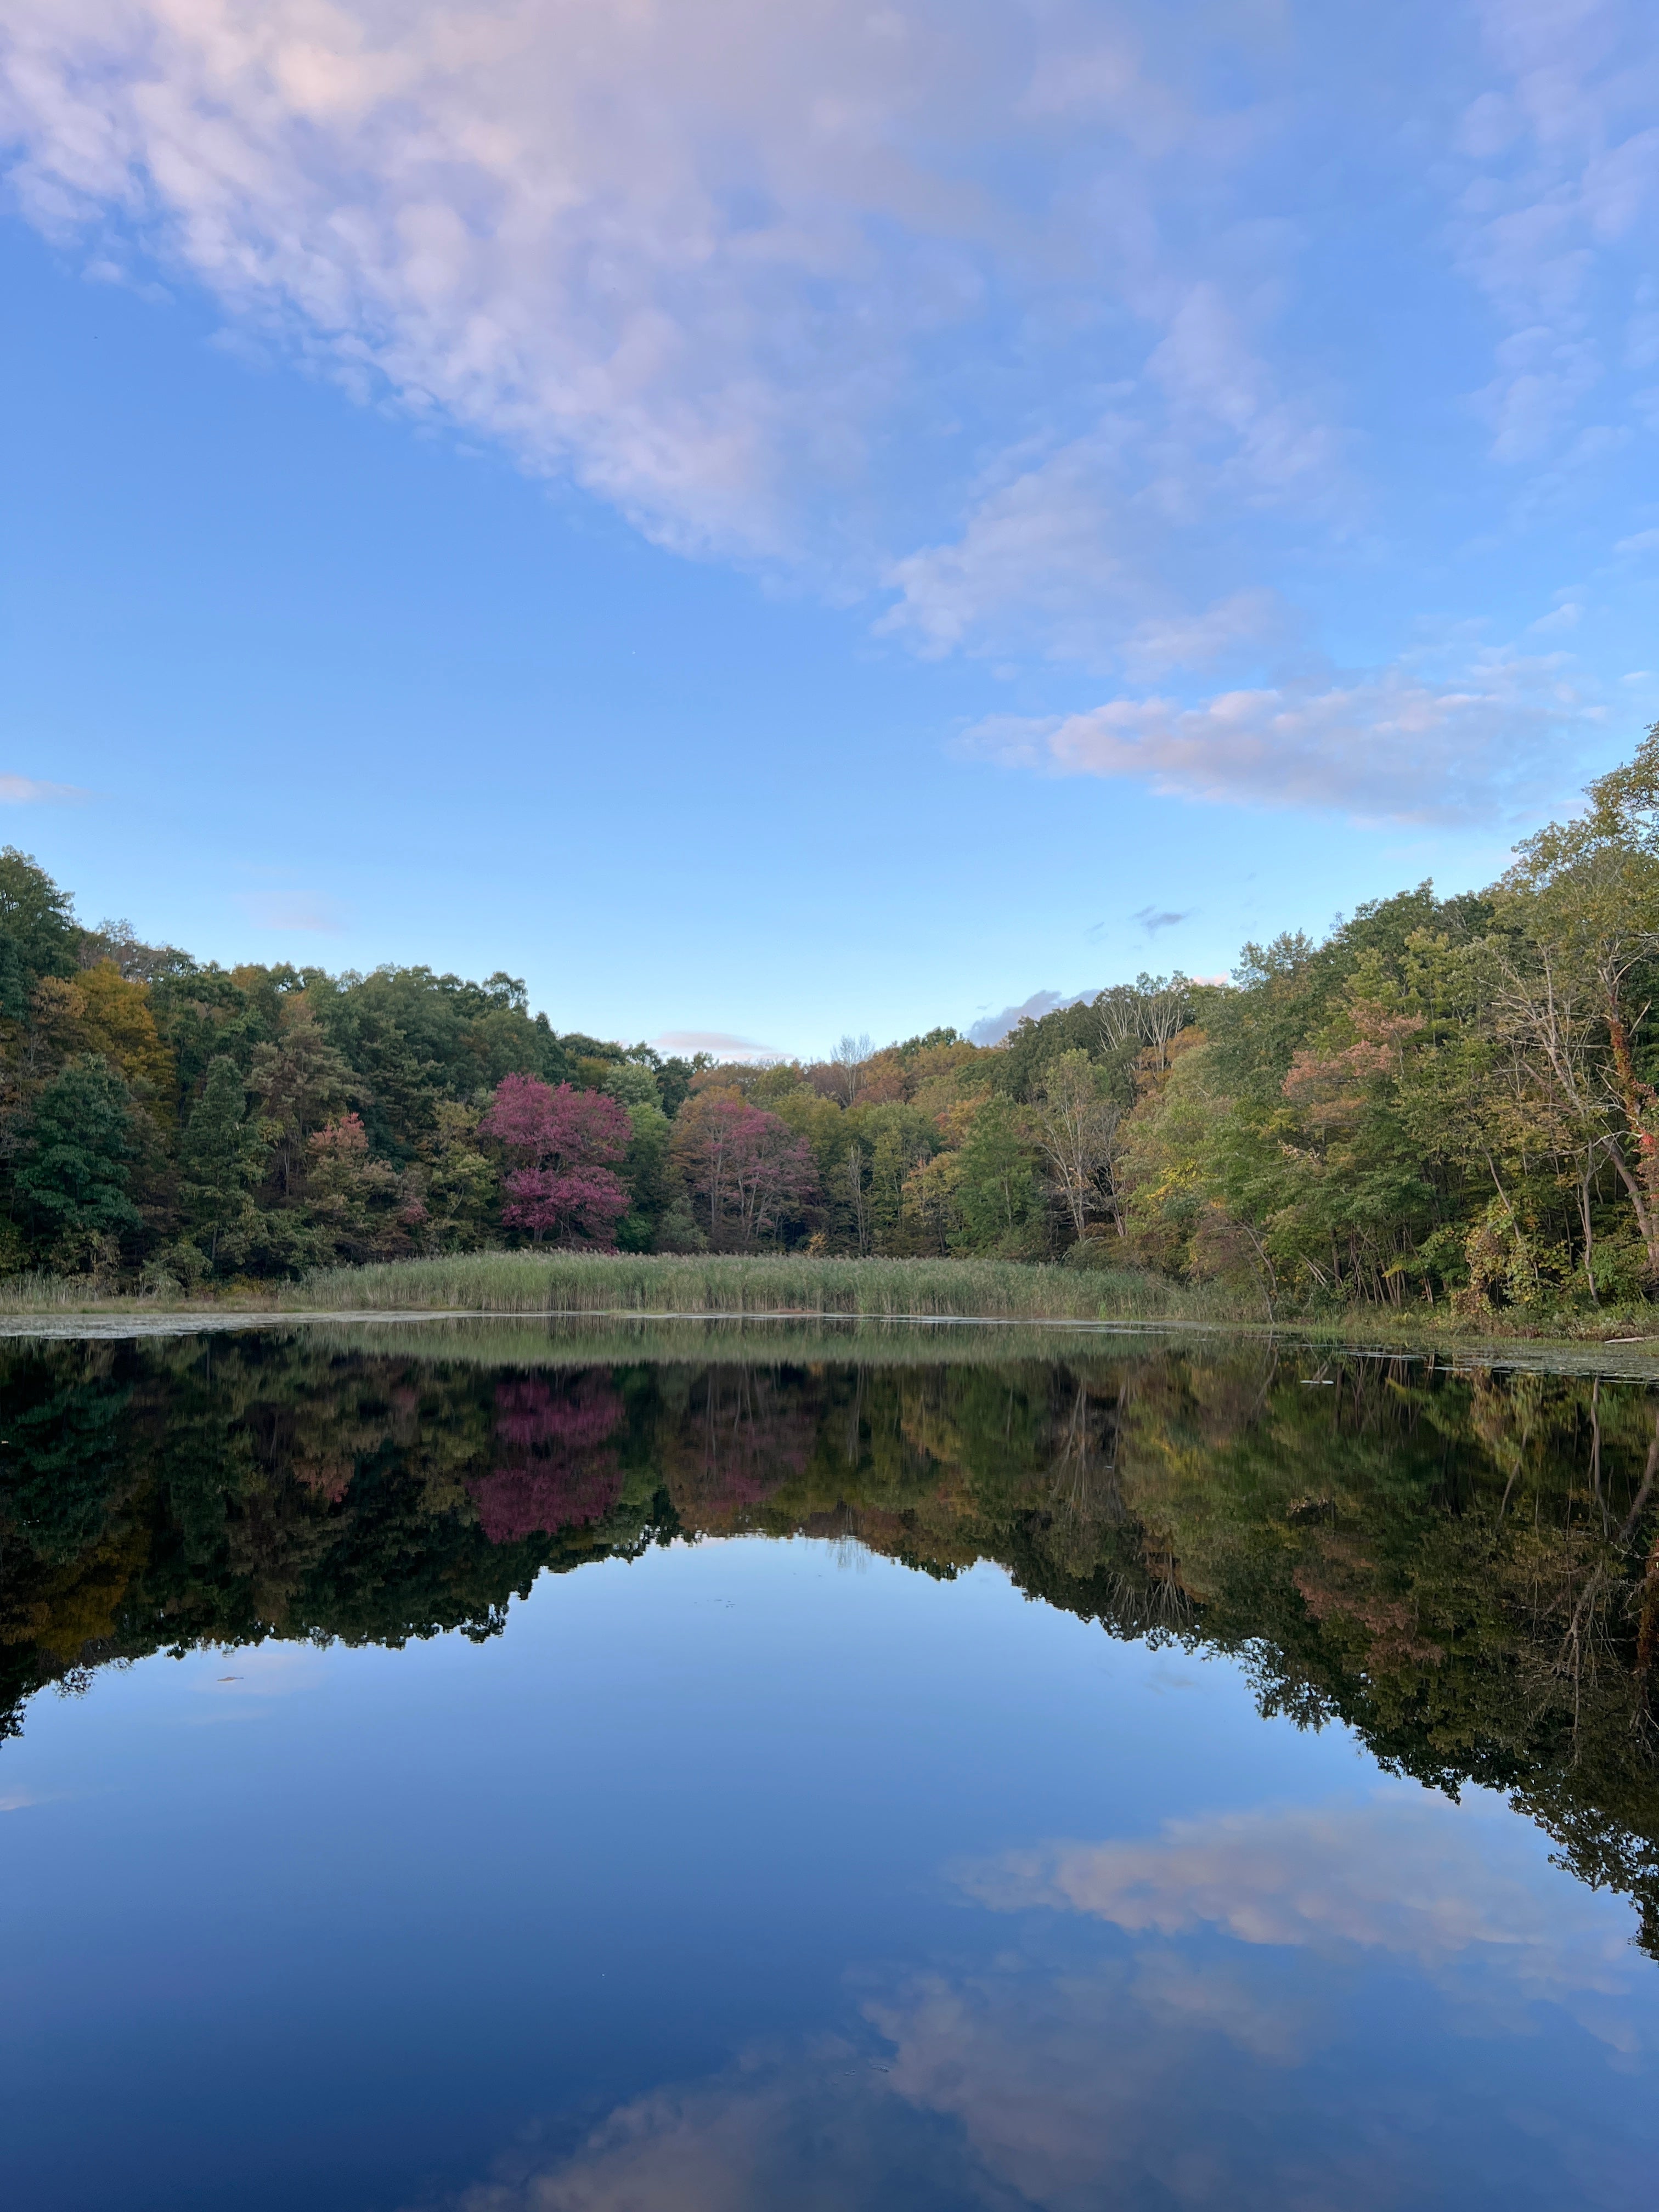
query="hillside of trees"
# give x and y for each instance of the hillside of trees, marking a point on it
(1448, 1101)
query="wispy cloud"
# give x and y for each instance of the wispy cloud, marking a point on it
(1562, 176)
(994, 319)
(1394, 746)
(698, 258)
(722, 1043)
(28, 791)
(1083, 555)
(1403, 1872)
(1163, 2063)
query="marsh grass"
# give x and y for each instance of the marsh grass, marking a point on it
(772, 1283)
(765, 1306)
(38, 1292)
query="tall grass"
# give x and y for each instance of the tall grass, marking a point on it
(734, 1297)
(773, 1283)
(39, 1292)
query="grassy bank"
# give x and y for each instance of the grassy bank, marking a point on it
(582, 1282)
(733, 1296)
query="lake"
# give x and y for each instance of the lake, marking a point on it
(506, 1769)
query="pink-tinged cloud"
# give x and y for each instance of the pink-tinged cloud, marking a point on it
(29, 790)
(724, 1044)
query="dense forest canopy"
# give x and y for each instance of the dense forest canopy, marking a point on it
(1447, 1100)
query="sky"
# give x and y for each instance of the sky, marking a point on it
(776, 522)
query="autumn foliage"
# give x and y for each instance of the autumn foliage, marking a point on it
(746, 1167)
(1449, 1101)
(563, 1142)
(557, 1467)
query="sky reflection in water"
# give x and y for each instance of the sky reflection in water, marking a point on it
(756, 1873)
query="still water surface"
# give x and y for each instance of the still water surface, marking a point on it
(494, 1773)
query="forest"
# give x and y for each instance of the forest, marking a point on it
(1451, 1102)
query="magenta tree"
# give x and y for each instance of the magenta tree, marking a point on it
(562, 1142)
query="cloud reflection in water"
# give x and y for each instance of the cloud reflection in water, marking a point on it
(1280, 2007)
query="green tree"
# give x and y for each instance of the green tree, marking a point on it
(302, 1081)
(652, 1186)
(71, 1177)
(1581, 905)
(38, 933)
(997, 1205)
(457, 1186)
(355, 1201)
(220, 1155)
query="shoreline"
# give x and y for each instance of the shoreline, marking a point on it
(1633, 1358)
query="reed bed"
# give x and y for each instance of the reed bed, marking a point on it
(38, 1292)
(762, 1306)
(773, 1283)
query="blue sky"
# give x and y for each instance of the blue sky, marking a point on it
(770, 522)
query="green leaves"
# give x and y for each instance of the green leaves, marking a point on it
(71, 1178)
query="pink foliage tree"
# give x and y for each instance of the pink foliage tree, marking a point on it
(747, 1166)
(561, 1140)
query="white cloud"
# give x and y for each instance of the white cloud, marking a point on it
(1084, 553)
(1247, 619)
(690, 256)
(1405, 1872)
(993, 309)
(687, 2150)
(1565, 172)
(824, 2131)
(1214, 377)
(624, 238)
(1054, 544)
(1394, 746)
(683, 254)
(1169, 2068)
(28, 791)
(722, 1043)
(1566, 615)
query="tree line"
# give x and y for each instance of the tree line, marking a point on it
(1450, 1101)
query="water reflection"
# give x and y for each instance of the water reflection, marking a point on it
(1228, 2055)
(1461, 1566)
(1196, 2064)
(1358, 1992)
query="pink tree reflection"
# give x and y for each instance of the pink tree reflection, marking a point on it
(559, 1470)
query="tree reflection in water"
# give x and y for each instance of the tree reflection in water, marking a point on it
(1464, 1567)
